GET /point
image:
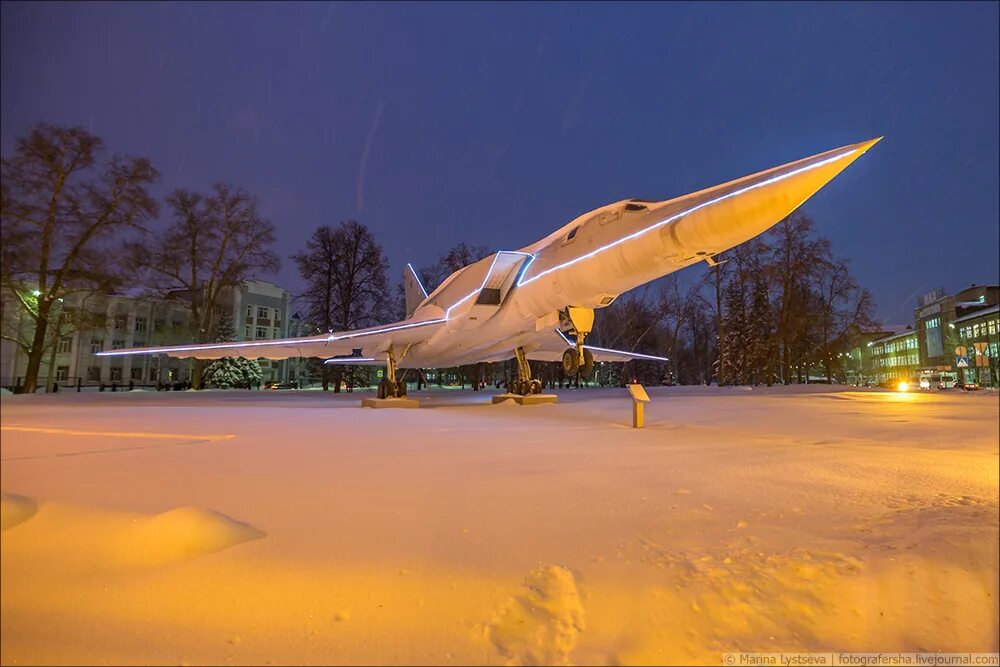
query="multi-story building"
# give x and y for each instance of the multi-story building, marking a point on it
(259, 310)
(895, 357)
(858, 354)
(100, 322)
(935, 319)
(979, 334)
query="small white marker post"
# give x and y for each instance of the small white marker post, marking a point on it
(639, 399)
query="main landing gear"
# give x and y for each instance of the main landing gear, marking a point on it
(389, 386)
(524, 384)
(578, 359)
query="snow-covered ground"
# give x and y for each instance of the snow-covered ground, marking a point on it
(286, 527)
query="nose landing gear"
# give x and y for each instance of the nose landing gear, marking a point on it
(573, 362)
(578, 359)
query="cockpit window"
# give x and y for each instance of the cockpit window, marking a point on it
(572, 233)
(635, 206)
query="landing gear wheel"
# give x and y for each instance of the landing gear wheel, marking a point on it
(570, 362)
(588, 364)
(382, 389)
(400, 389)
(524, 387)
(536, 386)
(512, 387)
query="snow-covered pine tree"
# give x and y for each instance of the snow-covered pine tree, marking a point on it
(760, 333)
(229, 372)
(735, 333)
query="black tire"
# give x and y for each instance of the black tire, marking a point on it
(401, 389)
(382, 388)
(536, 386)
(588, 364)
(570, 362)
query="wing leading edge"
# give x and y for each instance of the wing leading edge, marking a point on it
(368, 342)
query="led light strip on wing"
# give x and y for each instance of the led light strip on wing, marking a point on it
(291, 342)
(641, 232)
(634, 355)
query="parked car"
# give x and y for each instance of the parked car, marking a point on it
(967, 386)
(281, 385)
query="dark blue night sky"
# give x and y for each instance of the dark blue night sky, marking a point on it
(495, 124)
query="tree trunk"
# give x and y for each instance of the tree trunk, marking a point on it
(37, 349)
(196, 372)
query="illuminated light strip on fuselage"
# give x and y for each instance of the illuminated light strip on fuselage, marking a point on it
(447, 313)
(634, 355)
(348, 360)
(419, 284)
(521, 281)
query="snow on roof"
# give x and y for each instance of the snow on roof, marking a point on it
(978, 313)
(901, 334)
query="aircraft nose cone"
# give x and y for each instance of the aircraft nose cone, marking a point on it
(722, 217)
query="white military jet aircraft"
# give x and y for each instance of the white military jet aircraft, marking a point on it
(538, 302)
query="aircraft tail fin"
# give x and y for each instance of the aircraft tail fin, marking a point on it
(413, 290)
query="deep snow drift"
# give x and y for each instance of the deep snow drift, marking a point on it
(291, 527)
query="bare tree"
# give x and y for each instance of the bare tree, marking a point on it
(796, 258)
(61, 216)
(840, 303)
(214, 243)
(346, 286)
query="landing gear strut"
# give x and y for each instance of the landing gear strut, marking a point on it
(524, 384)
(389, 386)
(578, 359)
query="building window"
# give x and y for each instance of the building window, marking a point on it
(94, 374)
(62, 373)
(65, 345)
(262, 313)
(154, 374)
(119, 322)
(261, 332)
(136, 374)
(246, 333)
(159, 324)
(117, 344)
(249, 313)
(993, 327)
(116, 373)
(96, 345)
(140, 324)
